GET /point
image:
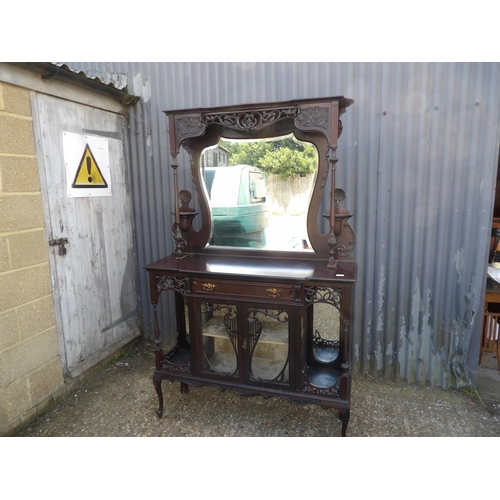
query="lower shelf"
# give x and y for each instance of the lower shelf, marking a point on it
(262, 369)
(322, 378)
(181, 357)
(222, 363)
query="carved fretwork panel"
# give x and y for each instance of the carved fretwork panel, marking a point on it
(251, 120)
(172, 283)
(322, 294)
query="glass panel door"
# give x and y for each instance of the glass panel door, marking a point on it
(219, 338)
(267, 345)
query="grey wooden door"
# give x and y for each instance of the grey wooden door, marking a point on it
(94, 281)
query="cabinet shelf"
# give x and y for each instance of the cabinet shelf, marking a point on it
(262, 369)
(222, 363)
(272, 332)
(181, 357)
(325, 354)
(322, 378)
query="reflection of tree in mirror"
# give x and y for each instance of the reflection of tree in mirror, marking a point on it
(286, 156)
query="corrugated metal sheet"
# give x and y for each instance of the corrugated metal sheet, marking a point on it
(115, 80)
(417, 159)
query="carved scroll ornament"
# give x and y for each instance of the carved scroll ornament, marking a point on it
(170, 283)
(322, 294)
(249, 120)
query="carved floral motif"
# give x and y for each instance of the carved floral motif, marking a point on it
(188, 126)
(249, 120)
(313, 117)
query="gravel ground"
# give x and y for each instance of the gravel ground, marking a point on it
(120, 401)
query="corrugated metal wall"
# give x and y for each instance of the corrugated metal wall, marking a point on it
(417, 159)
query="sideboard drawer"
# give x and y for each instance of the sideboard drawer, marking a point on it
(242, 289)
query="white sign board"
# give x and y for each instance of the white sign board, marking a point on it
(86, 159)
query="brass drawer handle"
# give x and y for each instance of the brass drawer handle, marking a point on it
(274, 292)
(209, 287)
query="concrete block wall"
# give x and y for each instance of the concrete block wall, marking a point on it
(30, 367)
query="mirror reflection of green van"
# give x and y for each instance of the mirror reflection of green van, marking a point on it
(237, 197)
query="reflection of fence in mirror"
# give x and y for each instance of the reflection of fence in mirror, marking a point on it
(288, 204)
(259, 192)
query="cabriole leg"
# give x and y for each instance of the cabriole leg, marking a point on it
(344, 416)
(157, 385)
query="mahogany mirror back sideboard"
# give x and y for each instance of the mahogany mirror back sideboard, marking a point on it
(263, 304)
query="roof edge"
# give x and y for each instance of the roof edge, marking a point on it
(49, 71)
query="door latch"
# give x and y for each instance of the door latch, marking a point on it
(59, 242)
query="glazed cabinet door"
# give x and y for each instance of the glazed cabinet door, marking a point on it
(217, 324)
(249, 343)
(269, 344)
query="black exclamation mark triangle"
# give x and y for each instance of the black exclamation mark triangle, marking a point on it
(88, 174)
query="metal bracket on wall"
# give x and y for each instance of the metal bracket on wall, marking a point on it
(104, 133)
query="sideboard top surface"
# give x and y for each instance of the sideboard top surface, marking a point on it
(256, 268)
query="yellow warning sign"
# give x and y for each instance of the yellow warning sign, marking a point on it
(88, 174)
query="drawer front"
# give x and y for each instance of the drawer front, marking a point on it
(244, 289)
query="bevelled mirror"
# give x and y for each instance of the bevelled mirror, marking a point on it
(259, 192)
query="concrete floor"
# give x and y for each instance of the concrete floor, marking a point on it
(121, 401)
